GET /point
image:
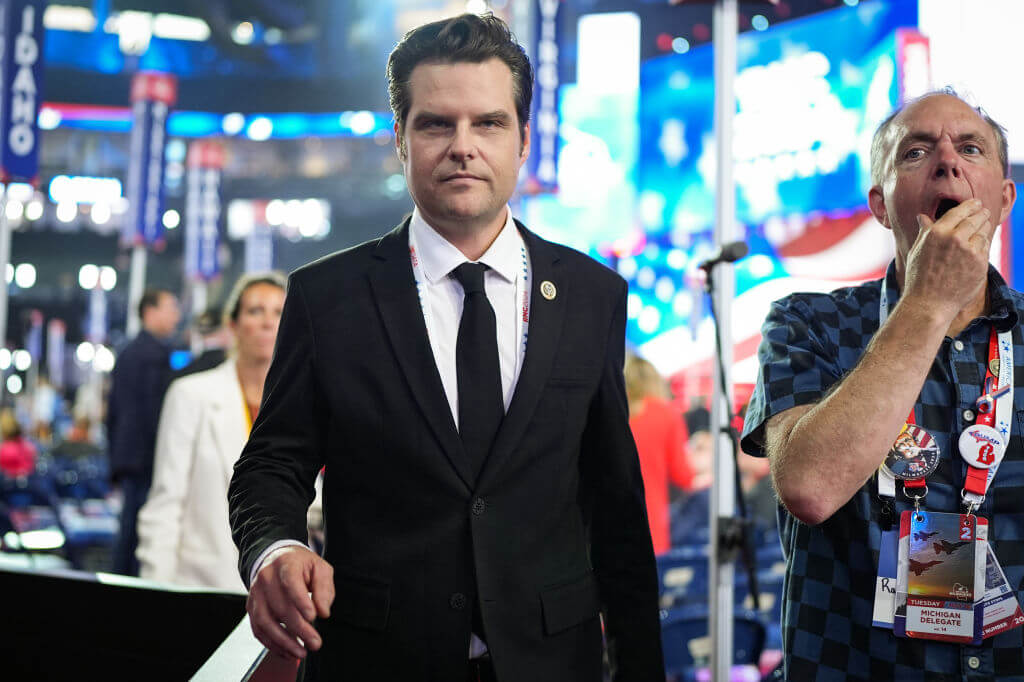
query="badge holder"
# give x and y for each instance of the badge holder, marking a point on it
(941, 577)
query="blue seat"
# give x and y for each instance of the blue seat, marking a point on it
(682, 576)
(687, 646)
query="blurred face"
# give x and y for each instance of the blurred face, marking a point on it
(162, 319)
(462, 145)
(941, 153)
(255, 329)
(701, 449)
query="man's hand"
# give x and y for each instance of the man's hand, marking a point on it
(292, 588)
(947, 266)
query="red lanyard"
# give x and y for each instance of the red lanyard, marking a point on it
(977, 477)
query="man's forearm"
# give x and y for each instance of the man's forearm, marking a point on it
(821, 455)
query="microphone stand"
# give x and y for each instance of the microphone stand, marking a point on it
(733, 533)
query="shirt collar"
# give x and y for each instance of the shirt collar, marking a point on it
(438, 256)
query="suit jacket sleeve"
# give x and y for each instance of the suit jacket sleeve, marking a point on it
(272, 485)
(621, 549)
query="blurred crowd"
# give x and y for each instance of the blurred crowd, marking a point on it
(142, 490)
(675, 445)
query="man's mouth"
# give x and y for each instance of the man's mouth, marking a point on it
(943, 207)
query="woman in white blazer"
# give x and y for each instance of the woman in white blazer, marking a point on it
(184, 536)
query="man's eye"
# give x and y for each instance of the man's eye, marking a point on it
(915, 153)
(972, 149)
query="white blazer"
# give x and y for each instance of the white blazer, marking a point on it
(184, 535)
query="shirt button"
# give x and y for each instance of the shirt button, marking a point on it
(458, 602)
(973, 662)
(479, 506)
(968, 416)
(958, 345)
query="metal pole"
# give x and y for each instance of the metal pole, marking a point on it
(723, 497)
(135, 288)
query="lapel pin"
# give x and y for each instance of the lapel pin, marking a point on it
(547, 290)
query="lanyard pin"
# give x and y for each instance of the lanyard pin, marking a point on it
(987, 401)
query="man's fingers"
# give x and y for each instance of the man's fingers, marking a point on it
(295, 589)
(283, 609)
(983, 225)
(323, 588)
(268, 631)
(279, 641)
(958, 214)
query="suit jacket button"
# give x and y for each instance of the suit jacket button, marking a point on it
(479, 506)
(457, 601)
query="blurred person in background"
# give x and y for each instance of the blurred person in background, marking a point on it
(45, 402)
(17, 454)
(184, 535)
(138, 383)
(660, 437)
(690, 514)
(757, 490)
(214, 341)
(78, 443)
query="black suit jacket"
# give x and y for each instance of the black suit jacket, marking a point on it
(137, 386)
(551, 532)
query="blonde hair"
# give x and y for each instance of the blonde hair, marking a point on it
(643, 380)
(233, 304)
(9, 426)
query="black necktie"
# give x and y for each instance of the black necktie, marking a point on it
(481, 405)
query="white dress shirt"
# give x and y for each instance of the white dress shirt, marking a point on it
(505, 282)
(507, 285)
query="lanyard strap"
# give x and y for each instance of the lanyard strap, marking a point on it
(522, 289)
(994, 409)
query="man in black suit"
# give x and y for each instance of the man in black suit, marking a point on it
(137, 386)
(482, 492)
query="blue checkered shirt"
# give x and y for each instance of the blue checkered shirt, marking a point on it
(810, 342)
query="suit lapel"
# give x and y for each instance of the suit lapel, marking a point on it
(394, 289)
(546, 319)
(227, 421)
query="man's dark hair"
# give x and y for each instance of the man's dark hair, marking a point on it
(208, 321)
(465, 38)
(151, 299)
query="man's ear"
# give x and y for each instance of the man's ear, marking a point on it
(524, 153)
(876, 202)
(1009, 197)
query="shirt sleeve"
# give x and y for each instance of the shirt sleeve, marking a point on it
(797, 361)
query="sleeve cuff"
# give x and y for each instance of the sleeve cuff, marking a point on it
(262, 558)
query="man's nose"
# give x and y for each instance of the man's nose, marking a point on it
(463, 145)
(948, 161)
